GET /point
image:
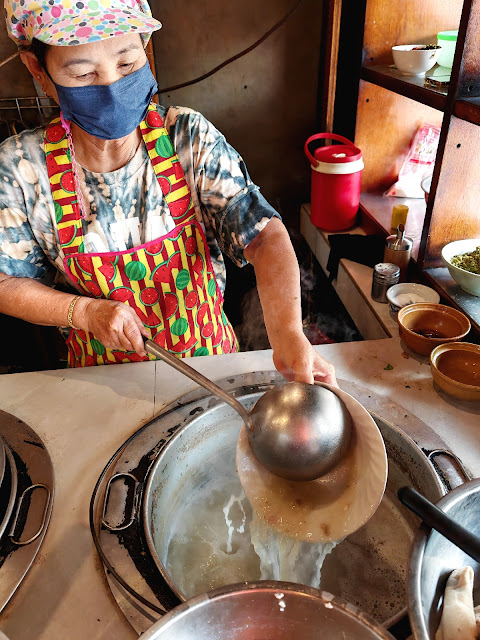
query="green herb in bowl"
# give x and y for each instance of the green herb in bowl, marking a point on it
(468, 261)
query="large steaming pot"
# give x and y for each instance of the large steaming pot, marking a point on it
(434, 558)
(277, 610)
(191, 457)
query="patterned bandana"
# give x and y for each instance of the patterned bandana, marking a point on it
(72, 22)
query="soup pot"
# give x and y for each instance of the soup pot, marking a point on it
(277, 610)
(368, 568)
(434, 558)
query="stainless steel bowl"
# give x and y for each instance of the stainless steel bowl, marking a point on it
(279, 610)
(434, 558)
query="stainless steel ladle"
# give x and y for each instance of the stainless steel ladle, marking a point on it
(297, 431)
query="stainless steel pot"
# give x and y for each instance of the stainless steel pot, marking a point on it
(2, 462)
(277, 610)
(356, 570)
(434, 558)
(8, 490)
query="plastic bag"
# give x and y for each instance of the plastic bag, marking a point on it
(418, 164)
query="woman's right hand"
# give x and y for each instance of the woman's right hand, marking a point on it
(114, 324)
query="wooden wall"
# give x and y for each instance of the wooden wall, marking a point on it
(266, 102)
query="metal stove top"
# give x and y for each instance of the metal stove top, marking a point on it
(29, 480)
(133, 578)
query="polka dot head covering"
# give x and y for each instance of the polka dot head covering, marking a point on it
(72, 22)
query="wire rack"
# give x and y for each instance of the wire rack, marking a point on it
(17, 114)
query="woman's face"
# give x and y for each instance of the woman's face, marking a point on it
(96, 63)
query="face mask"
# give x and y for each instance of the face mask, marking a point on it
(113, 111)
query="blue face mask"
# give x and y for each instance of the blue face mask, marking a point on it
(112, 111)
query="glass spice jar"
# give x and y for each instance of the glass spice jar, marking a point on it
(385, 274)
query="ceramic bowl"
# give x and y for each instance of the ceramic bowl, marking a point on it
(469, 282)
(425, 325)
(407, 288)
(414, 62)
(456, 369)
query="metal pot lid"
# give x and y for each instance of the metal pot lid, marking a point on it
(124, 552)
(272, 608)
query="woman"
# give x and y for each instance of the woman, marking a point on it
(132, 203)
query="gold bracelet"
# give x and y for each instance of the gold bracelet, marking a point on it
(70, 312)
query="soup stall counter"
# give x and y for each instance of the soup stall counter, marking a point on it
(84, 415)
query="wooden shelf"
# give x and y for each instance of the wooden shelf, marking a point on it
(409, 86)
(468, 109)
(441, 280)
(376, 211)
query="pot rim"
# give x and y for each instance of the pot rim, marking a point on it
(416, 616)
(273, 587)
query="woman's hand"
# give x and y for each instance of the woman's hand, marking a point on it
(296, 359)
(115, 324)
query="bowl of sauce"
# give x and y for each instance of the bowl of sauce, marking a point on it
(456, 369)
(424, 326)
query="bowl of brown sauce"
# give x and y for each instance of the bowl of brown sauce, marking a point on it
(426, 325)
(456, 369)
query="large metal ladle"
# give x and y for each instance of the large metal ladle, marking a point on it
(297, 431)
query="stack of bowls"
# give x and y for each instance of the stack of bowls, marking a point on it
(396, 295)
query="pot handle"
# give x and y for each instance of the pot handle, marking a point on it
(458, 466)
(134, 503)
(325, 136)
(30, 489)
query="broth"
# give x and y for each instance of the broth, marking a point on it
(462, 366)
(430, 333)
(215, 540)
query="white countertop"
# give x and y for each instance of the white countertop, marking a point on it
(84, 415)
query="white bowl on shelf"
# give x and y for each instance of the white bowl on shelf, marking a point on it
(469, 282)
(414, 62)
(411, 289)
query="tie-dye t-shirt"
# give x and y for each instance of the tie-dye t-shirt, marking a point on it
(126, 208)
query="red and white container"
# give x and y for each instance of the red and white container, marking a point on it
(336, 178)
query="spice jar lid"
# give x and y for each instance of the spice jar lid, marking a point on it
(386, 271)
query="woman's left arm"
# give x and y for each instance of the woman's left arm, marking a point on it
(278, 280)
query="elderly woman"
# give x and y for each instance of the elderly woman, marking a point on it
(132, 203)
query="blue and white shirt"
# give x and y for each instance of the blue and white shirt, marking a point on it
(126, 208)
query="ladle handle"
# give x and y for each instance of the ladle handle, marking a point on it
(438, 520)
(180, 365)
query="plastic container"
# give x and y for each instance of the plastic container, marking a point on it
(399, 216)
(448, 41)
(336, 178)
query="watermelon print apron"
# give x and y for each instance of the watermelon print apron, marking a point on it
(169, 282)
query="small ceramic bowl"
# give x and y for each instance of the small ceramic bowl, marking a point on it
(469, 282)
(411, 61)
(456, 369)
(397, 295)
(425, 325)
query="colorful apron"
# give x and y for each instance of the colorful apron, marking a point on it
(169, 282)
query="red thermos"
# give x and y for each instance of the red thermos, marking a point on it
(336, 178)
